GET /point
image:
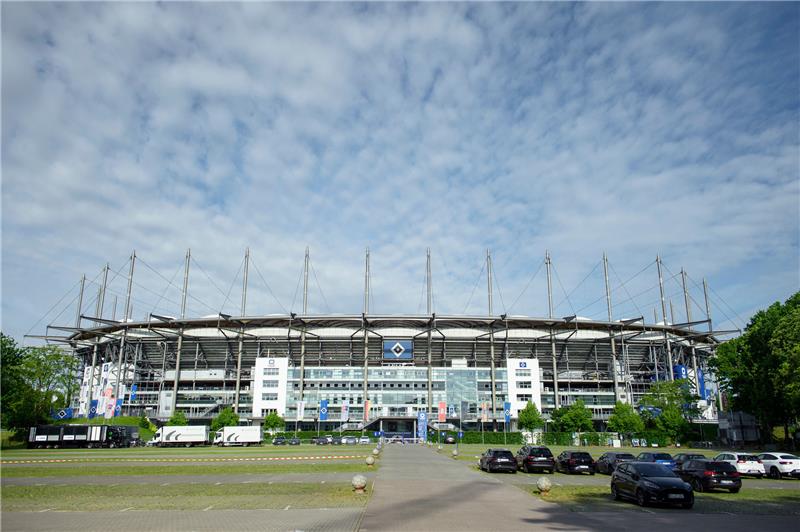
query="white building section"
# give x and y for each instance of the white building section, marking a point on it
(270, 376)
(524, 384)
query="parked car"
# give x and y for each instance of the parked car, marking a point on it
(279, 440)
(705, 475)
(608, 462)
(449, 439)
(395, 439)
(294, 441)
(777, 465)
(575, 462)
(745, 464)
(349, 440)
(664, 459)
(498, 460)
(682, 458)
(336, 440)
(319, 440)
(535, 459)
(649, 483)
(364, 440)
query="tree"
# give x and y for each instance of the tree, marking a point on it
(178, 419)
(625, 420)
(226, 418)
(668, 407)
(574, 418)
(274, 422)
(755, 369)
(530, 418)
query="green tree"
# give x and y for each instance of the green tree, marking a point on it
(625, 420)
(530, 418)
(226, 418)
(785, 343)
(274, 422)
(672, 404)
(574, 418)
(178, 419)
(752, 367)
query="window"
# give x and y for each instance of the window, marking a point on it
(524, 384)
(270, 384)
(271, 371)
(269, 396)
(522, 373)
(524, 397)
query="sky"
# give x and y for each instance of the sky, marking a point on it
(633, 130)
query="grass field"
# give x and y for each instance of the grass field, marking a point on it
(183, 497)
(763, 501)
(264, 450)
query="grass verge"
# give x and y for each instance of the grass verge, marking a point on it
(766, 501)
(182, 497)
(80, 470)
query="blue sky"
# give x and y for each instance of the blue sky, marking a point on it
(634, 129)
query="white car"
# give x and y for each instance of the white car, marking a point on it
(364, 440)
(780, 464)
(745, 464)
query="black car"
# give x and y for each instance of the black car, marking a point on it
(608, 462)
(575, 462)
(706, 475)
(294, 441)
(449, 439)
(498, 460)
(279, 440)
(535, 459)
(682, 458)
(650, 483)
(319, 440)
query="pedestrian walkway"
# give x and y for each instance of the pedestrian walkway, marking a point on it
(418, 489)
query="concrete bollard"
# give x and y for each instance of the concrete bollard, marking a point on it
(544, 485)
(370, 461)
(359, 483)
(455, 453)
(376, 452)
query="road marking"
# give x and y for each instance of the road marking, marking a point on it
(288, 506)
(165, 484)
(46, 510)
(648, 511)
(218, 483)
(207, 509)
(126, 509)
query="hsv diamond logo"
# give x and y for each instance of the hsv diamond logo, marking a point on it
(398, 350)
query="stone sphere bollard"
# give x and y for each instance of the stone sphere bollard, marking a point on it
(376, 452)
(455, 453)
(370, 461)
(544, 485)
(440, 447)
(359, 483)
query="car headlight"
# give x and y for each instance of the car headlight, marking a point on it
(650, 485)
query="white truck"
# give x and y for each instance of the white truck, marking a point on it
(186, 436)
(243, 436)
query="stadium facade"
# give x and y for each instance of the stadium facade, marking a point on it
(379, 371)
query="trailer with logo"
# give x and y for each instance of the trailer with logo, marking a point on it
(56, 436)
(244, 436)
(184, 436)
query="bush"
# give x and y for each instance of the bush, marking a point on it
(178, 419)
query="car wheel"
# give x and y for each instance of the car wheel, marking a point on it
(245, 444)
(687, 505)
(188, 445)
(591, 473)
(641, 498)
(614, 492)
(774, 473)
(734, 490)
(514, 472)
(697, 486)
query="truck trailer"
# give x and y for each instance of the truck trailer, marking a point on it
(186, 436)
(55, 436)
(243, 436)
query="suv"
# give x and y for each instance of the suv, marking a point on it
(608, 462)
(498, 460)
(682, 458)
(745, 464)
(349, 440)
(778, 464)
(535, 458)
(705, 475)
(575, 462)
(664, 459)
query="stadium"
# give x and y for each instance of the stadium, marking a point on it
(378, 372)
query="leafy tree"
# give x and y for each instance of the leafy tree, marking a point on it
(574, 418)
(178, 419)
(226, 418)
(625, 420)
(274, 422)
(672, 404)
(753, 367)
(530, 418)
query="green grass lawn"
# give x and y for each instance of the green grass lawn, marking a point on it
(181, 497)
(767, 501)
(80, 470)
(141, 452)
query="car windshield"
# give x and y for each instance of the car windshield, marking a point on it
(720, 467)
(582, 455)
(695, 457)
(541, 452)
(654, 470)
(626, 456)
(748, 457)
(503, 454)
(789, 457)
(662, 456)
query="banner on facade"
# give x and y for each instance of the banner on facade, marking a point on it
(345, 411)
(442, 411)
(301, 410)
(323, 410)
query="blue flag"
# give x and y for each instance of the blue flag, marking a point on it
(64, 413)
(118, 408)
(323, 410)
(133, 392)
(92, 409)
(507, 411)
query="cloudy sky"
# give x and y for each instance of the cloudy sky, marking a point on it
(578, 129)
